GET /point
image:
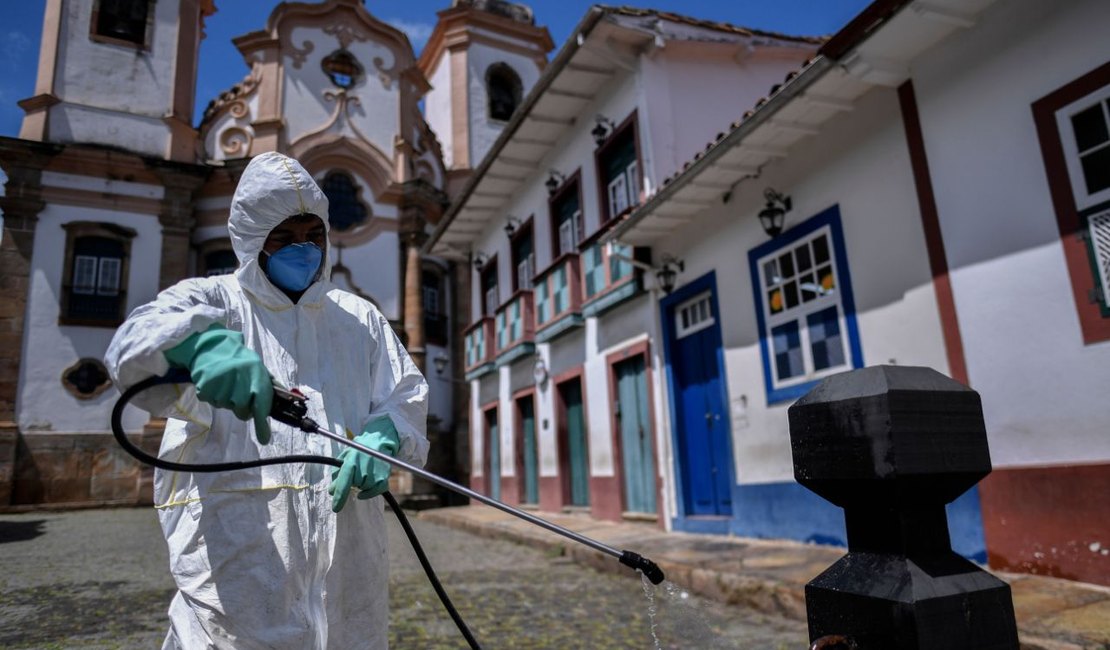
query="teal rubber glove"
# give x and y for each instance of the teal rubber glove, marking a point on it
(363, 471)
(227, 374)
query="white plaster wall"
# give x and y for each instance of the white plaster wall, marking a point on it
(306, 110)
(114, 94)
(44, 406)
(483, 130)
(437, 107)
(681, 127)
(1044, 391)
(859, 162)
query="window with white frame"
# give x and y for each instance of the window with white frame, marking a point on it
(489, 288)
(694, 315)
(566, 217)
(524, 257)
(619, 167)
(805, 307)
(1085, 136)
(1084, 127)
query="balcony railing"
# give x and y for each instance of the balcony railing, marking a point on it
(478, 343)
(558, 297)
(514, 324)
(607, 278)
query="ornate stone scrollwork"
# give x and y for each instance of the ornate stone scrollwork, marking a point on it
(86, 379)
(235, 141)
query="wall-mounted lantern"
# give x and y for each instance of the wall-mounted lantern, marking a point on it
(772, 216)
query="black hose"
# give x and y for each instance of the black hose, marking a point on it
(142, 456)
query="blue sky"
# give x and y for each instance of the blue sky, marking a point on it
(221, 65)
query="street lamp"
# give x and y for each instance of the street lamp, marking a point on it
(666, 274)
(602, 129)
(773, 214)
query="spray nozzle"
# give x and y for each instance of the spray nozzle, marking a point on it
(641, 563)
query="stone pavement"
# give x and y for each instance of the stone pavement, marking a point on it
(770, 576)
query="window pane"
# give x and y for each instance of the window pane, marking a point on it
(108, 280)
(826, 280)
(618, 196)
(787, 350)
(824, 339)
(786, 265)
(801, 255)
(1090, 127)
(1096, 170)
(809, 288)
(820, 250)
(771, 273)
(345, 211)
(84, 274)
(790, 290)
(774, 299)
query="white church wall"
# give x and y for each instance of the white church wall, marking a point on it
(483, 129)
(44, 406)
(376, 116)
(113, 94)
(438, 107)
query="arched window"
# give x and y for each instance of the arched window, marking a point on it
(504, 89)
(345, 209)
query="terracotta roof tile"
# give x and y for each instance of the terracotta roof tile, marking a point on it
(713, 24)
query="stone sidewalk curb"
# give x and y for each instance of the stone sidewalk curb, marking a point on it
(770, 576)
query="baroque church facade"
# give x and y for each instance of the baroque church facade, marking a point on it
(114, 193)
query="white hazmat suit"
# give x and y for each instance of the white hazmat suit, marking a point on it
(259, 558)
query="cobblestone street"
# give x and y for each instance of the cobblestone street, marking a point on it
(97, 579)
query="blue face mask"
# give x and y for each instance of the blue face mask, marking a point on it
(294, 267)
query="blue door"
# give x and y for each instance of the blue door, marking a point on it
(703, 446)
(637, 452)
(494, 439)
(531, 453)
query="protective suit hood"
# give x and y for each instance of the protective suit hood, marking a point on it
(273, 188)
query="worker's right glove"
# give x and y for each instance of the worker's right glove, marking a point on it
(362, 471)
(227, 374)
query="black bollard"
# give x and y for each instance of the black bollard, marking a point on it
(892, 445)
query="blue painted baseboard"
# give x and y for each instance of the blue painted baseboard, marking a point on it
(790, 511)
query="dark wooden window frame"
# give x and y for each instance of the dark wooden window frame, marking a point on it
(572, 183)
(601, 152)
(524, 230)
(1071, 224)
(79, 229)
(489, 267)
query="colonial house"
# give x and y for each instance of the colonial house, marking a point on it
(114, 194)
(566, 407)
(932, 188)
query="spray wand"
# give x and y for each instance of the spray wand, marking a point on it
(291, 408)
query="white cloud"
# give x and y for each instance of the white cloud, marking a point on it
(417, 32)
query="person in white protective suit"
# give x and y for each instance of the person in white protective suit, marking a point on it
(270, 557)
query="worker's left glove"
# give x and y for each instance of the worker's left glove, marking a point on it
(363, 471)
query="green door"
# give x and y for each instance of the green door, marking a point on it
(531, 464)
(577, 472)
(494, 455)
(637, 454)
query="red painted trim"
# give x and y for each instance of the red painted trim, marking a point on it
(636, 349)
(549, 494)
(934, 239)
(859, 28)
(518, 439)
(1046, 520)
(1094, 325)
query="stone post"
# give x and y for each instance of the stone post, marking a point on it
(892, 446)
